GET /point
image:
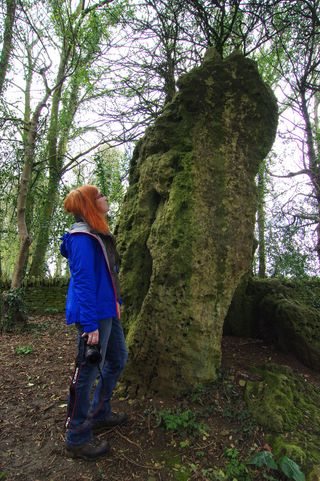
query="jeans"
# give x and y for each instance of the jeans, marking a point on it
(82, 412)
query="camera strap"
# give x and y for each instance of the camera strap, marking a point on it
(80, 361)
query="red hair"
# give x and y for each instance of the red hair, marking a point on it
(82, 202)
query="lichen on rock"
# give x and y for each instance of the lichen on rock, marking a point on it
(186, 230)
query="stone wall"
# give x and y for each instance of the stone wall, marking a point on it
(45, 299)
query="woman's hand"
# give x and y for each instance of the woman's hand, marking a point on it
(92, 337)
(118, 311)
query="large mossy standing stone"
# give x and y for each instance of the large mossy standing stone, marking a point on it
(186, 230)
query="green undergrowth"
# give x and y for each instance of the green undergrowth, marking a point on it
(235, 467)
(184, 421)
(262, 428)
(24, 350)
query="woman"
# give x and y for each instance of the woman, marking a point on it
(93, 305)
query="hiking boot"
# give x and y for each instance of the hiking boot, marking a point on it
(115, 419)
(88, 451)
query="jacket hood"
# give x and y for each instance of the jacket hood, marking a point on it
(77, 227)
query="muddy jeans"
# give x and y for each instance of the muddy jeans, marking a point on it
(81, 410)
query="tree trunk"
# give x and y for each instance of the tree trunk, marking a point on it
(13, 315)
(1, 274)
(316, 138)
(261, 221)
(25, 240)
(37, 268)
(58, 264)
(38, 265)
(7, 41)
(29, 144)
(56, 152)
(313, 161)
(169, 79)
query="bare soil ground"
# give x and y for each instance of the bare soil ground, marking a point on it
(35, 370)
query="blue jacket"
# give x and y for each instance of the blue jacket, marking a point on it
(91, 294)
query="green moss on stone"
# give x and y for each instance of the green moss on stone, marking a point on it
(287, 406)
(314, 474)
(281, 447)
(286, 312)
(296, 328)
(186, 230)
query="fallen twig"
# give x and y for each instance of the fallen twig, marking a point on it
(152, 468)
(129, 440)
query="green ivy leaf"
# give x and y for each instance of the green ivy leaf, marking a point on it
(291, 469)
(263, 458)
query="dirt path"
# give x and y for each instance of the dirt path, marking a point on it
(35, 370)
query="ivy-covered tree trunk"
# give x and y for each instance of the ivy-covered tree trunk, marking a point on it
(13, 316)
(29, 154)
(186, 230)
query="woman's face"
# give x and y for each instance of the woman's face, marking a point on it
(102, 203)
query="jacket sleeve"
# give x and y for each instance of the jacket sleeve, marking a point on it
(81, 262)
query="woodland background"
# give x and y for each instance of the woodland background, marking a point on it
(81, 80)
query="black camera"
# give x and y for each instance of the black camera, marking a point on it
(92, 353)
